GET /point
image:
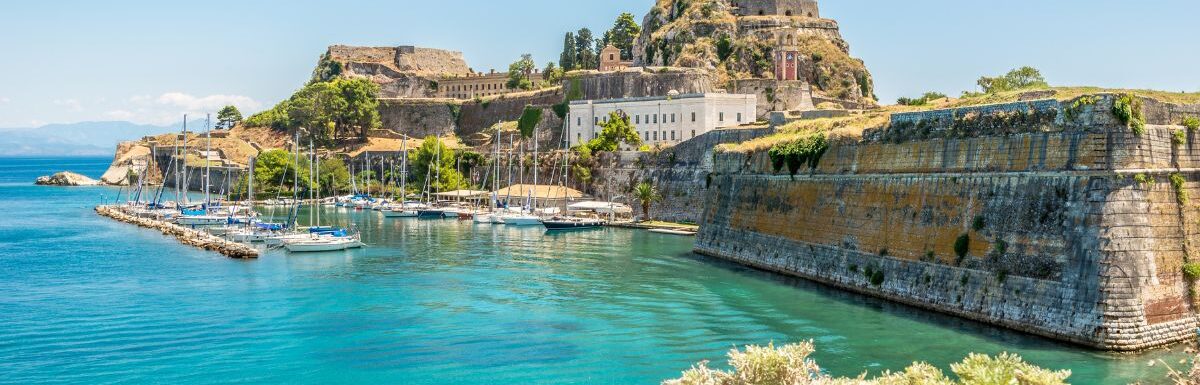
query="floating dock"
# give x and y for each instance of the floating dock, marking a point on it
(185, 235)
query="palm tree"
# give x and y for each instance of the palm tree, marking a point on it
(646, 193)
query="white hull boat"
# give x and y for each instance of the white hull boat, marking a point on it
(322, 243)
(522, 220)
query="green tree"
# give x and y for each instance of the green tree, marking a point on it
(442, 175)
(1020, 78)
(519, 73)
(616, 130)
(327, 111)
(276, 170)
(645, 193)
(623, 34)
(586, 53)
(569, 54)
(334, 176)
(228, 117)
(552, 74)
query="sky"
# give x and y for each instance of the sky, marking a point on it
(152, 61)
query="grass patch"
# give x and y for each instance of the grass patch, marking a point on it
(1191, 271)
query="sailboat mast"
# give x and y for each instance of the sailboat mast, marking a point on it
(533, 204)
(207, 156)
(181, 175)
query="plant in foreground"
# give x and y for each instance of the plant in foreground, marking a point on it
(790, 365)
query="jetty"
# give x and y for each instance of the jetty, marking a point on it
(185, 235)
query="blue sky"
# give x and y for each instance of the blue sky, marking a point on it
(151, 61)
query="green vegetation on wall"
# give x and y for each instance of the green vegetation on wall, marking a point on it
(529, 120)
(806, 150)
(1177, 184)
(1128, 109)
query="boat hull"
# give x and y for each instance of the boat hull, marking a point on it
(400, 213)
(431, 214)
(318, 245)
(571, 225)
(522, 221)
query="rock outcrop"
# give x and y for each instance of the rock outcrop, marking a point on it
(66, 178)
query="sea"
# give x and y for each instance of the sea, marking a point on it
(88, 300)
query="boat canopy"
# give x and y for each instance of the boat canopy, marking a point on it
(601, 207)
(462, 194)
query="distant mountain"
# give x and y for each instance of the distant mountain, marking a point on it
(77, 139)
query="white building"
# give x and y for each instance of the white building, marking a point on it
(662, 120)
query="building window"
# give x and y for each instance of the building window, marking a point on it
(645, 135)
(655, 119)
(672, 135)
(693, 117)
(595, 135)
(655, 135)
(693, 133)
(739, 117)
(637, 119)
(664, 121)
(672, 118)
(596, 121)
(578, 137)
(579, 121)
(720, 116)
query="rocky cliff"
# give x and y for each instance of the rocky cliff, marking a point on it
(1054, 218)
(711, 35)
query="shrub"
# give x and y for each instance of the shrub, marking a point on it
(1000, 247)
(805, 150)
(1191, 270)
(978, 223)
(1143, 179)
(1178, 137)
(791, 364)
(877, 277)
(962, 245)
(1177, 183)
(1191, 123)
(1128, 109)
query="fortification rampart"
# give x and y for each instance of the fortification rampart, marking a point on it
(1076, 230)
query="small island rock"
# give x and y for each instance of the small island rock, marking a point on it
(66, 178)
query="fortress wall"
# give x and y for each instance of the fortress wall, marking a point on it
(637, 83)
(1062, 241)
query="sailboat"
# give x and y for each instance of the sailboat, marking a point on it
(526, 217)
(320, 238)
(566, 222)
(402, 209)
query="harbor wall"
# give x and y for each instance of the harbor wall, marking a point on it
(1072, 231)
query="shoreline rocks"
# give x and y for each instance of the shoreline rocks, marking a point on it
(66, 178)
(191, 237)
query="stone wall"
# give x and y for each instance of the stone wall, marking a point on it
(466, 119)
(419, 118)
(637, 82)
(777, 95)
(1061, 239)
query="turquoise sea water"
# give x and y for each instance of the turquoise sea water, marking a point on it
(88, 300)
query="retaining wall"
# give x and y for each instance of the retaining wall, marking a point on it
(1061, 238)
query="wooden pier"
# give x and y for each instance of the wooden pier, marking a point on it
(185, 235)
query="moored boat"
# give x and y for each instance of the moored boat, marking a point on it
(571, 223)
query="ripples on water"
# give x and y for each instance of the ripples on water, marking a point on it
(88, 300)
